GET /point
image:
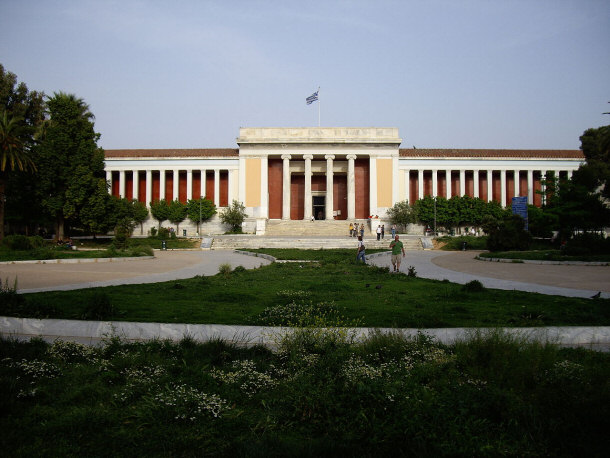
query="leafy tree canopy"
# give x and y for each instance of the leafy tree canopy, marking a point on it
(199, 210)
(401, 213)
(234, 216)
(177, 212)
(159, 209)
(71, 165)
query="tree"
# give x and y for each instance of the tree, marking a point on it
(177, 213)
(13, 156)
(71, 165)
(401, 213)
(99, 214)
(21, 115)
(234, 216)
(508, 234)
(159, 209)
(595, 145)
(200, 210)
(139, 213)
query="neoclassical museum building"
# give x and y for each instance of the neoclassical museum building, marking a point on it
(328, 173)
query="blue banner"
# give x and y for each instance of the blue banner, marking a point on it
(519, 206)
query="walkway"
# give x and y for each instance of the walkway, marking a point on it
(166, 266)
(462, 267)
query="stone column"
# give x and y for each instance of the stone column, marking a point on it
(420, 184)
(434, 183)
(569, 174)
(162, 184)
(475, 176)
(189, 184)
(109, 180)
(448, 183)
(176, 183)
(148, 187)
(122, 184)
(308, 202)
(543, 186)
(462, 182)
(351, 187)
(530, 187)
(503, 188)
(202, 182)
(516, 179)
(329, 186)
(408, 186)
(264, 186)
(490, 187)
(135, 185)
(286, 186)
(217, 188)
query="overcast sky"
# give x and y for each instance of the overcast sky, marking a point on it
(448, 74)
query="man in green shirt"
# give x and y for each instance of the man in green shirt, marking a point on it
(397, 247)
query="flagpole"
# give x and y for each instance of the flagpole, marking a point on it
(319, 103)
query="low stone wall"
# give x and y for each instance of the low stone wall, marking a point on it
(94, 332)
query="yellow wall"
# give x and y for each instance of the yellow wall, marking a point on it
(253, 182)
(384, 182)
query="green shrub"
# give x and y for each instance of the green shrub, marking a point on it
(17, 242)
(474, 286)
(36, 241)
(163, 233)
(98, 307)
(9, 299)
(225, 270)
(586, 244)
(508, 234)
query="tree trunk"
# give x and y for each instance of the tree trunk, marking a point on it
(59, 228)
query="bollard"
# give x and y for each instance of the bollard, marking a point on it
(163, 245)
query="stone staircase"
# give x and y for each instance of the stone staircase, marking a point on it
(232, 242)
(279, 228)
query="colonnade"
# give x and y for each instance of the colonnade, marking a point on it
(447, 174)
(124, 173)
(329, 201)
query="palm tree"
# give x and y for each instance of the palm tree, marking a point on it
(13, 156)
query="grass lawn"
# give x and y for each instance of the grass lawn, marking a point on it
(364, 295)
(316, 395)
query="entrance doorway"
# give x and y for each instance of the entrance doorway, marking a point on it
(319, 207)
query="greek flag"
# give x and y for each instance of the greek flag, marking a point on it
(312, 98)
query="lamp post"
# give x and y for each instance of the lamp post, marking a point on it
(435, 216)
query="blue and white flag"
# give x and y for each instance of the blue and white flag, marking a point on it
(312, 98)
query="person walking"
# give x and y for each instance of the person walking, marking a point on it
(351, 230)
(378, 232)
(360, 255)
(397, 247)
(382, 231)
(362, 230)
(393, 231)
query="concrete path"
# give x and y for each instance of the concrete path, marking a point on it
(462, 267)
(166, 266)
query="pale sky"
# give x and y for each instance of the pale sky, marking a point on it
(449, 74)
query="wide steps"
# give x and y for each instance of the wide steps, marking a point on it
(233, 242)
(277, 228)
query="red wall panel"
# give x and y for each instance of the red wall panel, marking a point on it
(340, 195)
(361, 183)
(275, 177)
(297, 197)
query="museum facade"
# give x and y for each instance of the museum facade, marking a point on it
(330, 173)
